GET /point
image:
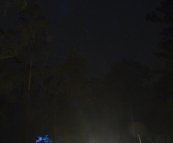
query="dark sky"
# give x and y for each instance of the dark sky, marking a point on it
(105, 30)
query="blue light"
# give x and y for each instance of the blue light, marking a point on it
(44, 139)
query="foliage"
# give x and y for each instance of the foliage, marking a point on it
(7, 4)
(164, 98)
(29, 38)
(164, 14)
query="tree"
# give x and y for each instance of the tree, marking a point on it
(164, 87)
(74, 83)
(76, 102)
(34, 35)
(20, 49)
(128, 90)
(8, 46)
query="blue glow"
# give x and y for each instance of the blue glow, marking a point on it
(44, 139)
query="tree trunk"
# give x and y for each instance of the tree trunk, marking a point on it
(28, 100)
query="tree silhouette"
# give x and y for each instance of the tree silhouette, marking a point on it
(20, 48)
(128, 93)
(164, 87)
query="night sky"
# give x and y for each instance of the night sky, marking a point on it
(106, 31)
